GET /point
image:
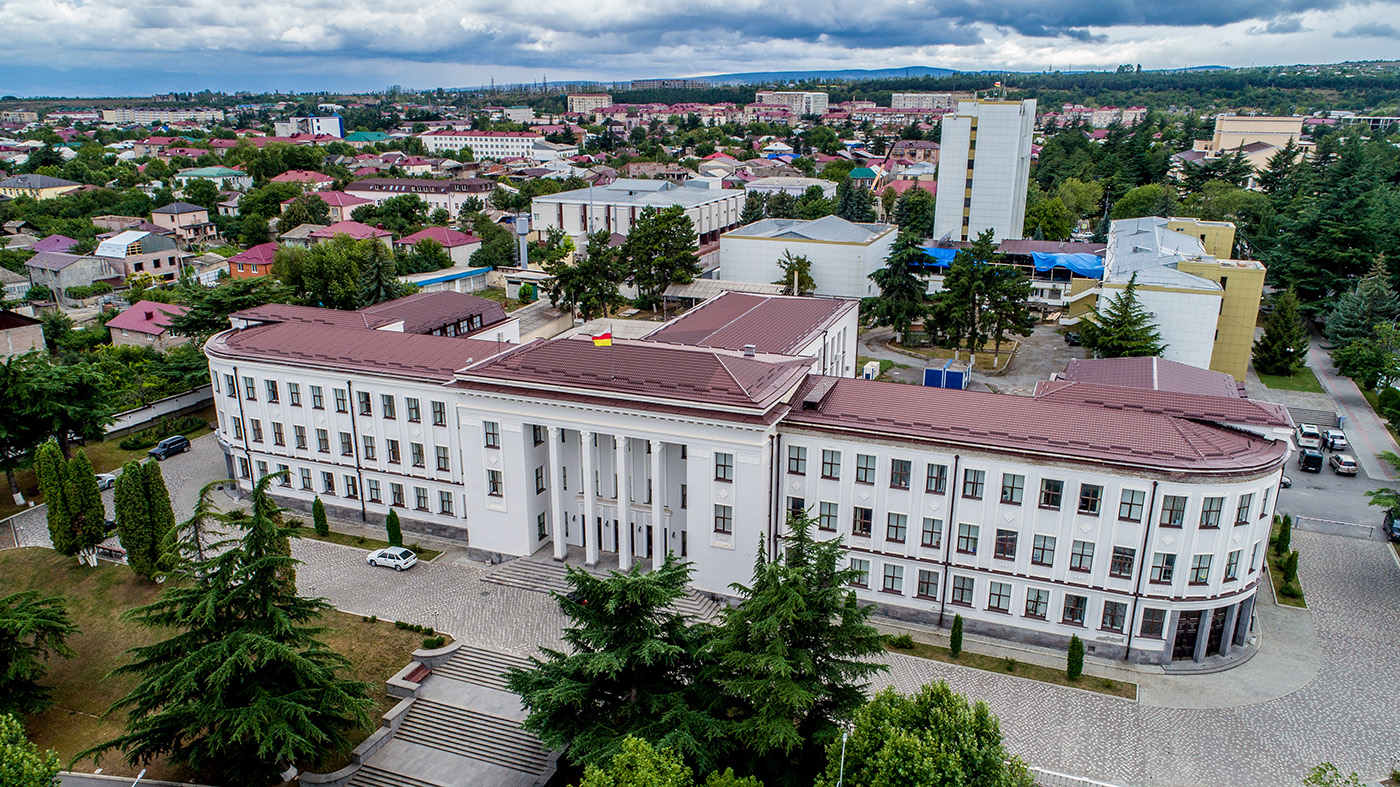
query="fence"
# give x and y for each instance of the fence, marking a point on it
(1044, 778)
(141, 417)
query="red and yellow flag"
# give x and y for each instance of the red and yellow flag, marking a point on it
(603, 339)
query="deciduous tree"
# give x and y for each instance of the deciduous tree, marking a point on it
(21, 762)
(660, 250)
(590, 284)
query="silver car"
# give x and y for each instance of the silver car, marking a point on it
(397, 558)
(1335, 439)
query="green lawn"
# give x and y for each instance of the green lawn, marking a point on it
(1373, 399)
(1304, 381)
(363, 542)
(1008, 666)
(885, 364)
(1275, 563)
(499, 295)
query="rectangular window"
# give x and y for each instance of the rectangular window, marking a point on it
(1090, 496)
(250, 389)
(237, 428)
(342, 401)
(895, 527)
(279, 437)
(327, 483)
(724, 466)
(420, 498)
(932, 535)
(893, 580)
(1051, 493)
(1264, 504)
(318, 401)
(1115, 616)
(286, 479)
(900, 471)
(386, 404)
(230, 387)
(1153, 622)
(271, 390)
(261, 467)
(1210, 511)
(865, 469)
(861, 520)
(372, 488)
(396, 495)
(1037, 603)
(350, 489)
(831, 464)
(539, 479)
(493, 434)
(1012, 488)
(827, 519)
(1005, 547)
(294, 394)
(1232, 565)
(414, 414)
(444, 502)
(684, 496)
(1163, 566)
(1242, 511)
(928, 584)
(1075, 607)
(1173, 511)
(1254, 557)
(443, 463)
(862, 572)
(244, 469)
(1200, 569)
(1043, 551)
(323, 441)
(962, 590)
(797, 460)
(1122, 562)
(999, 597)
(305, 478)
(257, 429)
(537, 433)
(439, 413)
(1130, 505)
(299, 432)
(796, 506)
(541, 527)
(416, 451)
(1081, 556)
(973, 482)
(392, 449)
(365, 407)
(967, 539)
(495, 483)
(347, 444)
(937, 482)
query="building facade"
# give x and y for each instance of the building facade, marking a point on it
(843, 254)
(928, 101)
(615, 208)
(497, 145)
(984, 164)
(800, 102)
(331, 126)
(585, 103)
(155, 115)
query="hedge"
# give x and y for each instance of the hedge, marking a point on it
(88, 291)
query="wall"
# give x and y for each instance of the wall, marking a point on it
(839, 269)
(179, 404)
(1186, 319)
(18, 341)
(1243, 283)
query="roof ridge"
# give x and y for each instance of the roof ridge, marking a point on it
(723, 365)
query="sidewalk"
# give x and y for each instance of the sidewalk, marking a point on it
(1365, 430)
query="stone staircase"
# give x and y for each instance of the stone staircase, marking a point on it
(1323, 419)
(370, 776)
(545, 576)
(482, 667)
(470, 733)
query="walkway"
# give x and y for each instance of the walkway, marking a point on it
(1365, 430)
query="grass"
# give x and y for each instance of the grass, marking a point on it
(1008, 666)
(499, 295)
(1304, 381)
(1374, 399)
(885, 364)
(1275, 563)
(82, 689)
(362, 542)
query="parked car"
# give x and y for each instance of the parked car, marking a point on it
(397, 558)
(1072, 338)
(106, 480)
(1285, 482)
(1391, 526)
(1335, 439)
(1309, 436)
(1310, 460)
(169, 447)
(1344, 464)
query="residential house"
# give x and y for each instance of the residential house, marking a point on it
(59, 270)
(460, 246)
(225, 178)
(19, 334)
(310, 181)
(359, 139)
(790, 185)
(341, 205)
(450, 195)
(147, 324)
(14, 285)
(36, 186)
(54, 243)
(353, 229)
(256, 261)
(137, 251)
(300, 235)
(190, 223)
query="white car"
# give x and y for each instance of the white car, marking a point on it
(1335, 439)
(1309, 436)
(396, 558)
(106, 480)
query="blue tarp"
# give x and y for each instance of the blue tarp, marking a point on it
(1090, 265)
(942, 258)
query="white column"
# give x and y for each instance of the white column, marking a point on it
(658, 522)
(590, 502)
(624, 505)
(556, 511)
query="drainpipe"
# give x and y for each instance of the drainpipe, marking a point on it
(1142, 564)
(355, 449)
(948, 538)
(774, 495)
(238, 397)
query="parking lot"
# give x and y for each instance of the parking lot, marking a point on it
(1330, 502)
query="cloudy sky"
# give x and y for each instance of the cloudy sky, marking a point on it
(135, 47)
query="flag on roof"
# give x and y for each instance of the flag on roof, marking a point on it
(998, 84)
(603, 339)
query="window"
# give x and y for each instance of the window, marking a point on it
(541, 527)
(932, 536)
(865, 469)
(237, 428)
(271, 390)
(1122, 562)
(1005, 547)
(1051, 492)
(1043, 551)
(347, 444)
(414, 414)
(1153, 622)
(893, 581)
(261, 467)
(967, 539)
(443, 463)
(1037, 603)
(365, 407)
(305, 478)
(299, 432)
(861, 521)
(1264, 503)
(797, 460)
(962, 590)
(323, 441)
(928, 584)
(327, 483)
(444, 502)
(724, 466)
(230, 387)
(392, 449)
(416, 451)
(495, 485)
(257, 429)
(1254, 557)
(1130, 505)
(350, 489)
(1081, 556)
(999, 597)
(1210, 511)
(973, 481)
(294, 394)
(900, 471)
(1115, 616)
(796, 506)
(895, 527)
(286, 479)
(244, 471)
(1090, 495)
(1173, 511)
(396, 495)
(862, 572)
(250, 389)
(493, 434)
(1242, 511)
(828, 517)
(537, 433)
(937, 482)
(439, 413)
(386, 404)
(317, 400)
(1163, 565)
(279, 437)
(342, 401)
(1200, 569)
(1232, 565)
(539, 479)
(372, 487)
(1012, 488)
(1075, 607)
(831, 464)
(420, 498)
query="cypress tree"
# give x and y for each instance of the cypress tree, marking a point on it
(52, 470)
(1123, 330)
(955, 639)
(318, 517)
(1290, 567)
(133, 509)
(162, 514)
(85, 509)
(754, 208)
(391, 526)
(1284, 346)
(1074, 666)
(1285, 535)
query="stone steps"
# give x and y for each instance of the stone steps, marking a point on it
(481, 667)
(546, 576)
(472, 734)
(370, 776)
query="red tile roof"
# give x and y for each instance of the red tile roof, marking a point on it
(260, 254)
(354, 229)
(286, 312)
(423, 312)
(1220, 409)
(406, 355)
(773, 324)
(447, 237)
(147, 317)
(1154, 374)
(302, 176)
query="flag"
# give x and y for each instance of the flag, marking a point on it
(998, 84)
(603, 339)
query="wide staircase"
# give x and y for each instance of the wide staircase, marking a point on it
(370, 776)
(473, 734)
(481, 667)
(545, 576)
(1323, 419)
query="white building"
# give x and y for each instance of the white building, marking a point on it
(1033, 518)
(983, 169)
(615, 208)
(801, 103)
(331, 125)
(843, 254)
(451, 195)
(497, 145)
(790, 185)
(585, 103)
(153, 115)
(928, 101)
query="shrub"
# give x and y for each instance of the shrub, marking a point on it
(88, 291)
(1290, 567)
(526, 293)
(399, 624)
(38, 292)
(391, 527)
(1074, 666)
(318, 517)
(185, 424)
(1285, 535)
(955, 639)
(1010, 664)
(433, 643)
(902, 642)
(1289, 591)
(1388, 401)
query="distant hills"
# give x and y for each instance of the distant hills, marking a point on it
(752, 77)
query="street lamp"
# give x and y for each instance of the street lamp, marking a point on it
(846, 727)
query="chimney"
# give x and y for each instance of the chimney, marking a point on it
(748, 350)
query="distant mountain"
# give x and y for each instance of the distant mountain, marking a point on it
(753, 77)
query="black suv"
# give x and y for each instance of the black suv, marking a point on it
(169, 447)
(1391, 526)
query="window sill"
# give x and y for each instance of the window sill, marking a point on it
(999, 611)
(1042, 565)
(1075, 623)
(904, 488)
(892, 592)
(1130, 520)
(1048, 508)
(1010, 502)
(1082, 512)
(967, 604)
(1111, 630)
(1170, 526)
(1120, 576)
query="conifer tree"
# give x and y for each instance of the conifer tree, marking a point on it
(754, 208)
(903, 297)
(33, 629)
(162, 514)
(796, 269)
(52, 470)
(87, 514)
(318, 517)
(1123, 330)
(1283, 348)
(134, 520)
(392, 529)
(955, 638)
(1074, 659)
(1358, 311)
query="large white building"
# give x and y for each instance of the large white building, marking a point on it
(843, 254)
(615, 207)
(330, 125)
(154, 115)
(983, 169)
(585, 103)
(1132, 514)
(930, 101)
(497, 145)
(800, 102)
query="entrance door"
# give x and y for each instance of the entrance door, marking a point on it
(1217, 631)
(648, 540)
(615, 542)
(1188, 626)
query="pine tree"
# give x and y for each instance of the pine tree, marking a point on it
(855, 202)
(781, 205)
(1358, 311)
(162, 514)
(243, 687)
(380, 274)
(903, 294)
(318, 517)
(802, 268)
(956, 637)
(1125, 329)
(1283, 348)
(52, 470)
(33, 629)
(1074, 661)
(134, 520)
(88, 515)
(754, 208)
(392, 529)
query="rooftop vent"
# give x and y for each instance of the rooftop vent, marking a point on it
(749, 350)
(150, 315)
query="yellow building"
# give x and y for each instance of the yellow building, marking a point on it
(1217, 236)
(36, 186)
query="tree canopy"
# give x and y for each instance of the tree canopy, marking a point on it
(903, 294)
(33, 629)
(1124, 329)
